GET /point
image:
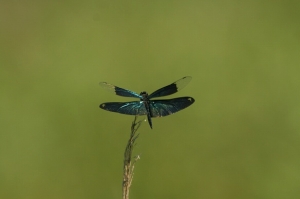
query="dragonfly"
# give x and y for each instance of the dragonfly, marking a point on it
(147, 106)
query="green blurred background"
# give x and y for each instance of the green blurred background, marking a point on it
(240, 139)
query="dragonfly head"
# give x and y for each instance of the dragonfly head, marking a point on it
(144, 94)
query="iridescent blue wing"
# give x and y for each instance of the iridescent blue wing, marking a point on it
(128, 108)
(172, 88)
(119, 91)
(161, 108)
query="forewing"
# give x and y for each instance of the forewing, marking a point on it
(128, 108)
(172, 88)
(119, 91)
(161, 108)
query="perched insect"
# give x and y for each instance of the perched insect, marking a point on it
(146, 106)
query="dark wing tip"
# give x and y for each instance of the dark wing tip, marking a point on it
(192, 100)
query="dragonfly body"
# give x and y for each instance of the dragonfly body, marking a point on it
(146, 102)
(146, 106)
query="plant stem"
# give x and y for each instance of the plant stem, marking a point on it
(128, 165)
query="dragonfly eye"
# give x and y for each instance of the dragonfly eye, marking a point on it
(144, 93)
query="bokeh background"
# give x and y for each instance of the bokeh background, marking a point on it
(240, 139)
